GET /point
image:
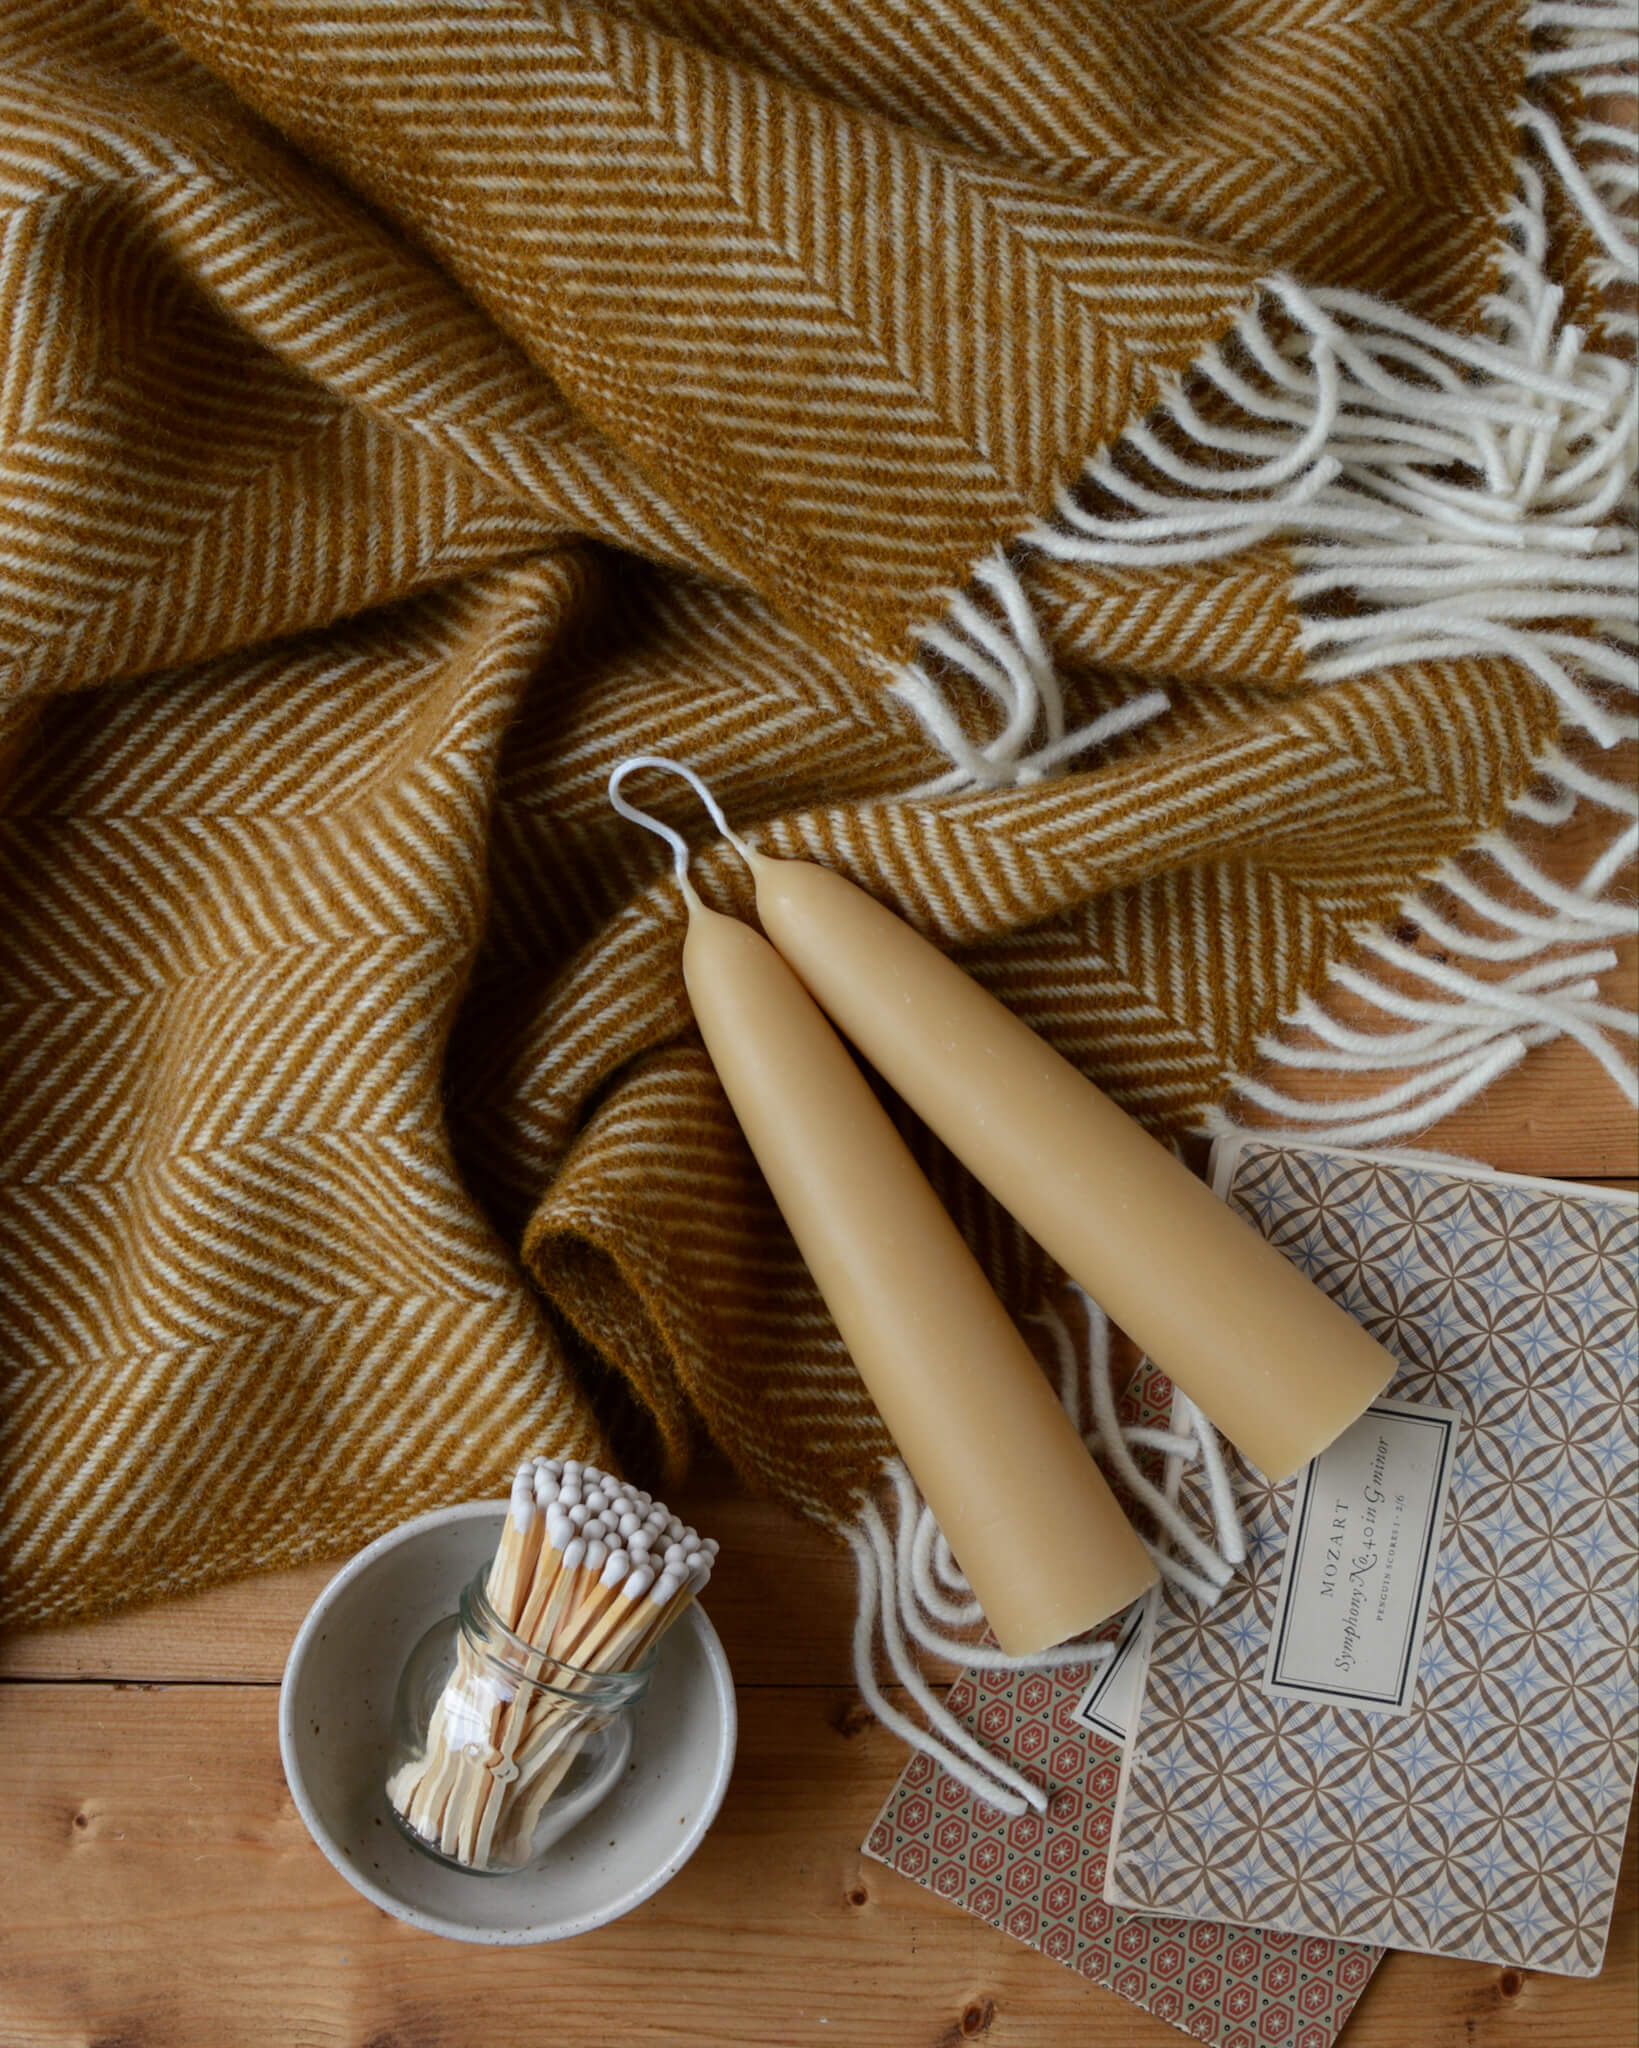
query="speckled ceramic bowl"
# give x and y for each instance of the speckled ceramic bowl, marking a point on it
(335, 1725)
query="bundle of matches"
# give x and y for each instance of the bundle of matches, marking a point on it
(589, 1575)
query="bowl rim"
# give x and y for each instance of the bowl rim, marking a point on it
(358, 1566)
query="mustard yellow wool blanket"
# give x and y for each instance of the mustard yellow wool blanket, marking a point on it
(1142, 488)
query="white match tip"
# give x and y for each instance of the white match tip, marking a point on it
(666, 1587)
(597, 1552)
(616, 1569)
(573, 1556)
(579, 1515)
(639, 1583)
(710, 1545)
(559, 1528)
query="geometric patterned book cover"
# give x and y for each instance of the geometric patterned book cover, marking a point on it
(1410, 1719)
(1039, 1877)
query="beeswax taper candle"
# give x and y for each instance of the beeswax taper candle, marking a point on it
(1026, 1511)
(1269, 1358)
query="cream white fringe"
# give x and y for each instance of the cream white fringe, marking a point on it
(911, 1585)
(1594, 43)
(1356, 422)
(1007, 658)
(1355, 415)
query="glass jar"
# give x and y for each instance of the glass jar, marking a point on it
(499, 1750)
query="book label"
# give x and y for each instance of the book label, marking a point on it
(1107, 1704)
(1360, 1554)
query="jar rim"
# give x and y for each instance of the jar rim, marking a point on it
(526, 1661)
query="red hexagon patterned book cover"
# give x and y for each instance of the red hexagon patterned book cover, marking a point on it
(1040, 1877)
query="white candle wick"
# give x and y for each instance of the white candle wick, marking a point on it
(674, 839)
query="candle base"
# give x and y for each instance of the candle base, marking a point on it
(1040, 1616)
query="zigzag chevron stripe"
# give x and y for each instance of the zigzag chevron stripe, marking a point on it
(1231, 621)
(274, 1195)
(1080, 97)
(771, 1337)
(569, 204)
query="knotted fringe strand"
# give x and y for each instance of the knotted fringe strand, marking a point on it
(1343, 425)
(911, 1587)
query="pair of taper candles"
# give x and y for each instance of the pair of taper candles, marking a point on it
(1269, 1358)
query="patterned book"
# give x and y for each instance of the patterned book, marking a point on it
(1410, 1720)
(1040, 1877)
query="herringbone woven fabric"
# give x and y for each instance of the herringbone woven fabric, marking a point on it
(408, 408)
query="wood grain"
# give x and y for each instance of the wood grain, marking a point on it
(169, 1895)
(159, 1890)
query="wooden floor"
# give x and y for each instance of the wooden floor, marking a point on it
(158, 1891)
